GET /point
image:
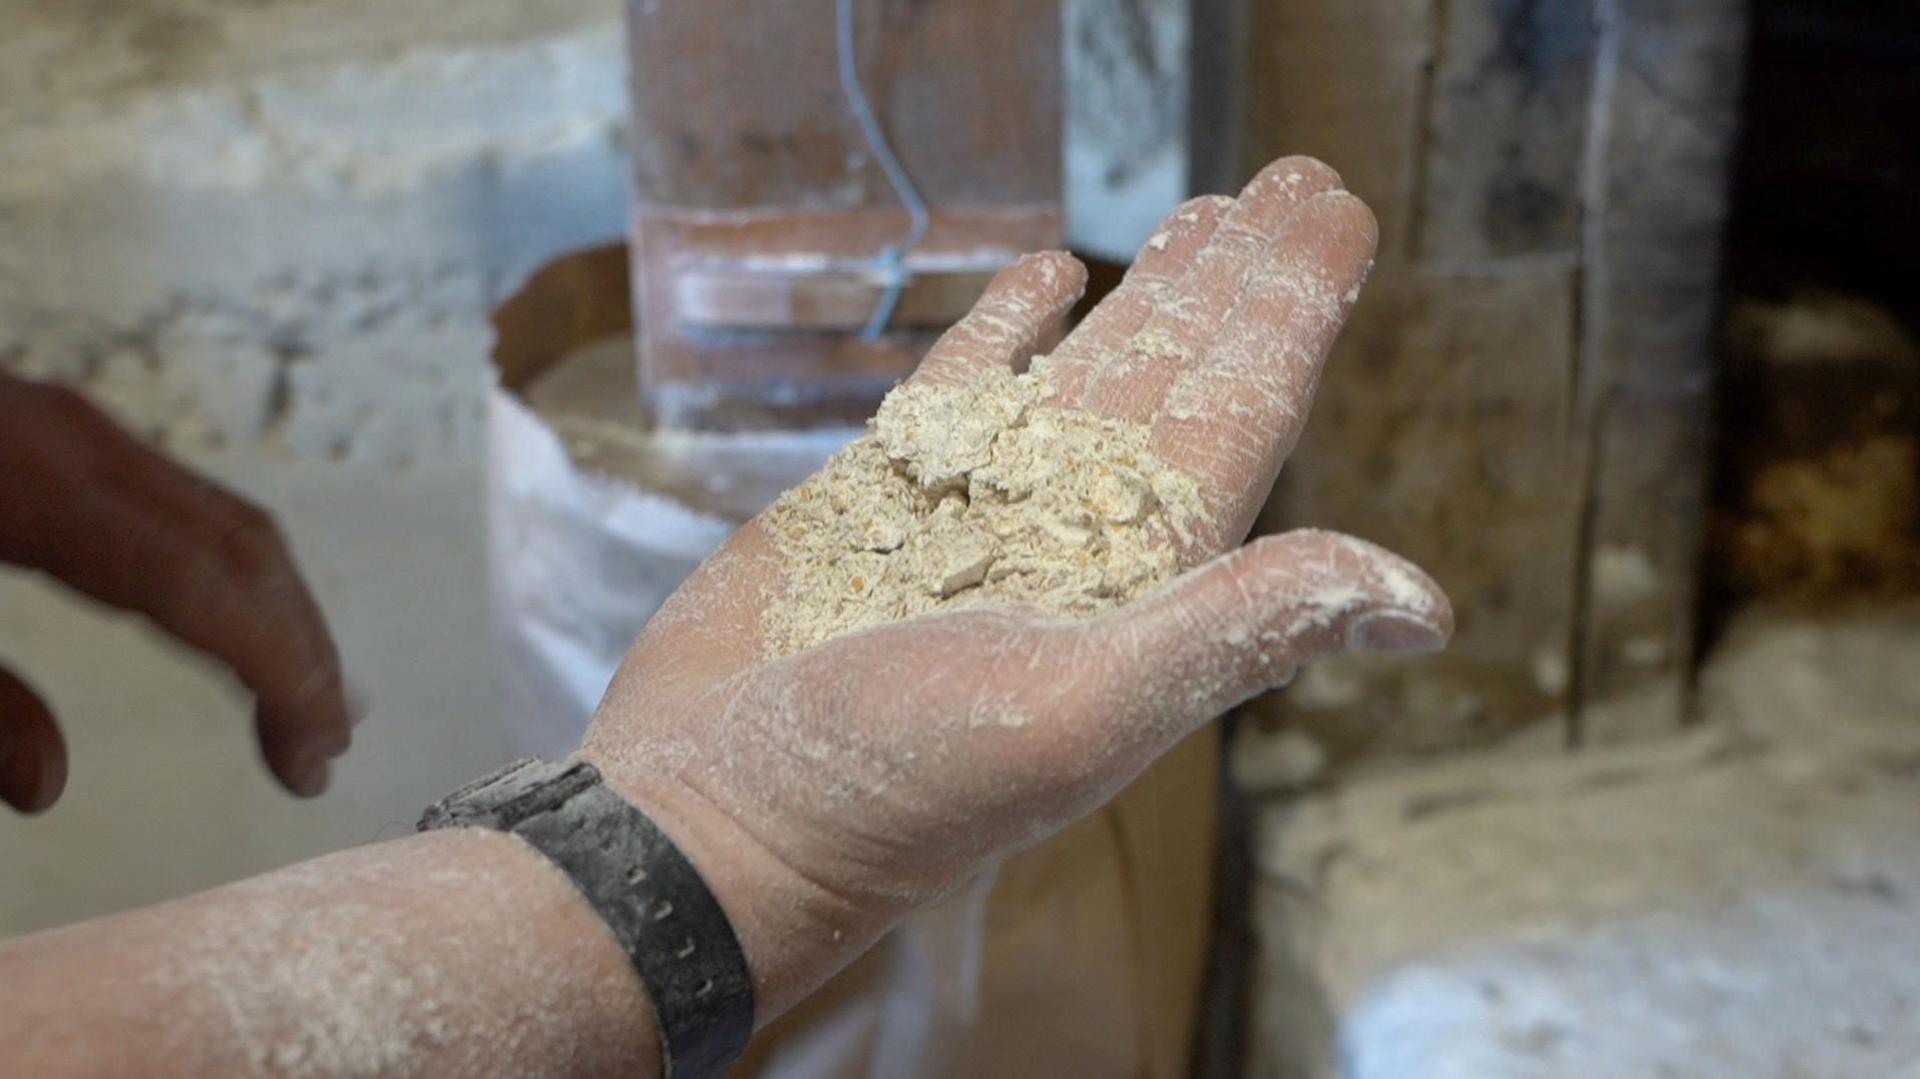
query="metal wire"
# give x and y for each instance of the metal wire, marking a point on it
(892, 259)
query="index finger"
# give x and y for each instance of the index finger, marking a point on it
(1132, 382)
(230, 590)
(1020, 306)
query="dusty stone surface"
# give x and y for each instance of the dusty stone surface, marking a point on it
(1742, 902)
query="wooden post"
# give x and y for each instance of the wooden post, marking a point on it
(1666, 109)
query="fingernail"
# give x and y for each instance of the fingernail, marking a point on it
(336, 745)
(6, 767)
(311, 774)
(354, 703)
(15, 786)
(1394, 632)
(357, 705)
(53, 781)
(11, 789)
(31, 786)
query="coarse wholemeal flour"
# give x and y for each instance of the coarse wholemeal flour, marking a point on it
(984, 493)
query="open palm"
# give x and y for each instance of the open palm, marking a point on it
(837, 788)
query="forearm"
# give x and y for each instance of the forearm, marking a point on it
(454, 953)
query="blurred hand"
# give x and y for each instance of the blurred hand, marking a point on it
(827, 793)
(90, 505)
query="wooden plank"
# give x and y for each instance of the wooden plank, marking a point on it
(1669, 87)
(721, 299)
(1506, 132)
(737, 103)
(693, 378)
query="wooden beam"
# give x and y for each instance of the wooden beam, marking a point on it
(1521, 401)
(1666, 114)
(737, 104)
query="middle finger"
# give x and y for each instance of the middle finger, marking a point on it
(1133, 383)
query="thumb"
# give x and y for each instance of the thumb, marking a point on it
(1244, 623)
(33, 756)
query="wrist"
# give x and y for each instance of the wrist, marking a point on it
(794, 931)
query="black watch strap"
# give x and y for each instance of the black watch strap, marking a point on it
(670, 925)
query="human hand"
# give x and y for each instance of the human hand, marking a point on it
(826, 793)
(85, 502)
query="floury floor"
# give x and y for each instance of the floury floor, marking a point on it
(1740, 901)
